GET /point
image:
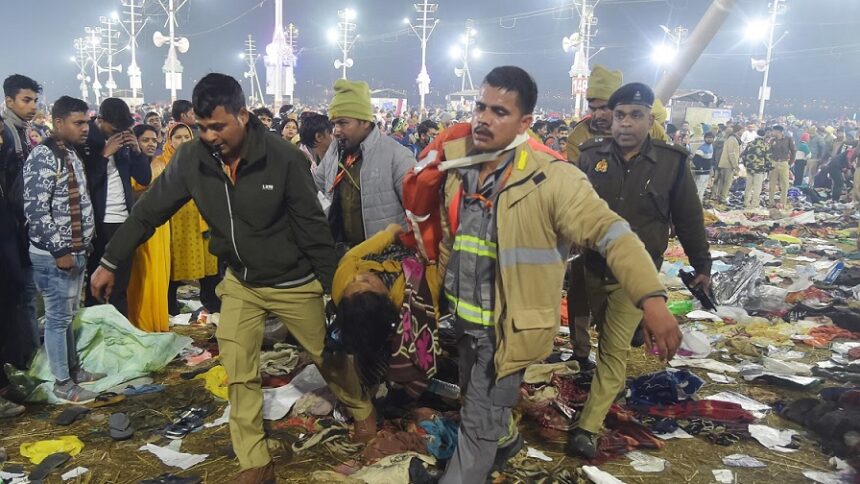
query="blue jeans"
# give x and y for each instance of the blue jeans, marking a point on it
(61, 291)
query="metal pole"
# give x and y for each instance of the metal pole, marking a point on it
(764, 94)
(693, 48)
(172, 48)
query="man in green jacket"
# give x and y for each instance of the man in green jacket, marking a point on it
(517, 209)
(256, 194)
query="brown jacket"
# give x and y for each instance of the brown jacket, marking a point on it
(546, 205)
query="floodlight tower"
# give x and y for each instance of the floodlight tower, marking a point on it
(467, 39)
(82, 60)
(172, 67)
(94, 52)
(110, 36)
(132, 25)
(345, 38)
(251, 57)
(580, 44)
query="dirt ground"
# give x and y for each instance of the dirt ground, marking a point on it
(689, 461)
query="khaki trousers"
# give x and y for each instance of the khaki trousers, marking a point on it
(240, 335)
(722, 185)
(617, 319)
(778, 179)
(752, 194)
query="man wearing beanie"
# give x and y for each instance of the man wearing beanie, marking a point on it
(647, 182)
(362, 173)
(256, 193)
(601, 84)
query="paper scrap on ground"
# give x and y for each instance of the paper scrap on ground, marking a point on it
(77, 471)
(773, 439)
(643, 462)
(679, 433)
(537, 454)
(840, 477)
(175, 459)
(700, 315)
(742, 460)
(277, 402)
(224, 418)
(747, 403)
(181, 320)
(13, 477)
(720, 378)
(598, 476)
(702, 363)
(191, 304)
(723, 476)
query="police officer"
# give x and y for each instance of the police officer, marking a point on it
(648, 182)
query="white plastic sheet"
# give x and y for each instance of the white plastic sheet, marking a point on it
(175, 459)
(773, 439)
(742, 460)
(643, 462)
(277, 402)
(598, 476)
(723, 476)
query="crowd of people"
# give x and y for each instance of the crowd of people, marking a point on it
(472, 215)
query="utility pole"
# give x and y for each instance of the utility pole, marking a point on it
(82, 60)
(764, 92)
(172, 68)
(345, 38)
(580, 44)
(95, 51)
(425, 25)
(251, 57)
(132, 25)
(111, 35)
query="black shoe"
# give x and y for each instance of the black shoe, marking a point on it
(503, 454)
(585, 364)
(638, 337)
(581, 443)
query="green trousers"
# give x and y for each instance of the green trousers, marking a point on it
(240, 335)
(616, 318)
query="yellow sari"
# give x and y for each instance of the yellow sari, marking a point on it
(150, 274)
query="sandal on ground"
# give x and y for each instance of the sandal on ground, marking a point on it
(106, 399)
(120, 426)
(71, 414)
(48, 465)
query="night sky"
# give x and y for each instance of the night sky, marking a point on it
(818, 58)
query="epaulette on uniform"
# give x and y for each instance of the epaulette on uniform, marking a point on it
(595, 142)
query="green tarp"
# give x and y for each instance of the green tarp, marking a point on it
(108, 343)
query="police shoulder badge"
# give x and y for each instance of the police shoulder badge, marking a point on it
(601, 166)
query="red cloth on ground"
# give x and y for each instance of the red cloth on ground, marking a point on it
(707, 409)
(822, 335)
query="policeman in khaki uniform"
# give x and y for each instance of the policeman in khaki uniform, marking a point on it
(601, 84)
(648, 182)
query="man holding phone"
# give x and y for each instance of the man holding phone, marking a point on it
(112, 158)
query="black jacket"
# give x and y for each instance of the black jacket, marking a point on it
(268, 226)
(12, 190)
(129, 163)
(651, 192)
